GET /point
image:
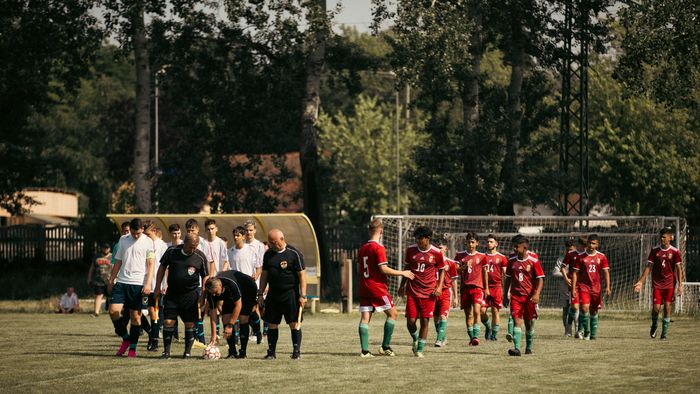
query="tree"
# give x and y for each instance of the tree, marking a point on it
(45, 47)
(359, 159)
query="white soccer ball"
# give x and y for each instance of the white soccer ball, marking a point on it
(211, 352)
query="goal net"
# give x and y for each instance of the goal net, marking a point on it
(626, 241)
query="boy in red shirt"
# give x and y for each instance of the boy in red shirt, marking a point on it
(586, 283)
(475, 278)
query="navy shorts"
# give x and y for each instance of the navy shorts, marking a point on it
(246, 308)
(130, 296)
(183, 305)
(100, 289)
(281, 305)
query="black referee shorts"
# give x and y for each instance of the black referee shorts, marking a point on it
(183, 305)
(281, 305)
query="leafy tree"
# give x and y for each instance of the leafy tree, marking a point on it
(45, 48)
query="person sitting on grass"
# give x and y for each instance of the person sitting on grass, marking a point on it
(69, 302)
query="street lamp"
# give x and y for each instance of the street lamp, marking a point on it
(160, 73)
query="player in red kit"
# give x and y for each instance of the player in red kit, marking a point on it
(428, 266)
(448, 297)
(666, 268)
(567, 270)
(586, 284)
(524, 279)
(474, 277)
(496, 264)
(511, 322)
(373, 268)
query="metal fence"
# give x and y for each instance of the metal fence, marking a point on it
(42, 243)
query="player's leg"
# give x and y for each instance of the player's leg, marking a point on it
(98, 302)
(363, 329)
(565, 315)
(442, 311)
(115, 313)
(667, 318)
(584, 319)
(517, 306)
(134, 330)
(656, 295)
(495, 321)
(155, 326)
(190, 334)
(273, 317)
(529, 334)
(188, 309)
(411, 317)
(254, 322)
(596, 302)
(486, 322)
(294, 316)
(477, 302)
(199, 326)
(168, 330)
(244, 334)
(391, 315)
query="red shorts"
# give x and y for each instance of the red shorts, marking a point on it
(442, 303)
(472, 296)
(419, 307)
(662, 296)
(522, 308)
(380, 304)
(594, 301)
(495, 298)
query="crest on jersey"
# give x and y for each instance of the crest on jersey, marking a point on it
(190, 271)
(597, 261)
(527, 268)
(283, 264)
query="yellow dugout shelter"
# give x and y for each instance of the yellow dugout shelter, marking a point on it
(296, 227)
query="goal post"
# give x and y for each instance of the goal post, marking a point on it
(625, 240)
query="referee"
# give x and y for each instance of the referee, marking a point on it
(233, 293)
(283, 271)
(185, 265)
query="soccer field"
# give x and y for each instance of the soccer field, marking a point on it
(61, 353)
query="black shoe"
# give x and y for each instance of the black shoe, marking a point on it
(514, 352)
(652, 331)
(231, 356)
(165, 356)
(528, 351)
(149, 346)
(241, 355)
(270, 356)
(258, 338)
(663, 337)
(296, 355)
(186, 356)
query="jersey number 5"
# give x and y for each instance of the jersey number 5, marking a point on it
(365, 267)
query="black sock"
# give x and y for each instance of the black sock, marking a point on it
(134, 334)
(167, 338)
(254, 323)
(231, 345)
(155, 329)
(272, 335)
(296, 340)
(145, 324)
(176, 335)
(120, 328)
(189, 340)
(245, 332)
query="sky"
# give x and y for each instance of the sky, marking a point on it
(357, 13)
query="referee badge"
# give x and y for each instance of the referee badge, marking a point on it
(283, 264)
(190, 271)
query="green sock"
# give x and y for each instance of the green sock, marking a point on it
(477, 329)
(364, 336)
(442, 330)
(494, 330)
(414, 335)
(421, 345)
(584, 318)
(511, 324)
(388, 332)
(594, 325)
(571, 316)
(470, 330)
(664, 326)
(654, 319)
(517, 335)
(529, 334)
(487, 326)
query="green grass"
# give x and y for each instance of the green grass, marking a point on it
(61, 353)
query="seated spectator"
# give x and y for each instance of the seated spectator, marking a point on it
(69, 302)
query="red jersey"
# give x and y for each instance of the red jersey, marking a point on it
(450, 273)
(496, 263)
(426, 266)
(523, 274)
(569, 262)
(589, 267)
(372, 255)
(470, 268)
(663, 266)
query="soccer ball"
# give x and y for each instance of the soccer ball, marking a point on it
(211, 352)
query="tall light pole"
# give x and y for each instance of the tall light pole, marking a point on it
(161, 72)
(397, 119)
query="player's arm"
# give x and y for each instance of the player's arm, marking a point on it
(485, 278)
(454, 293)
(90, 272)
(608, 290)
(402, 287)
(302, 287)
(150, 264)
(679, 276)
(211, 266)
(226, 266)
(538, 289)
(159, 279)
(258, 272)
(642, 279)
(113, 275)
(212, 325)
(507, 283)
(386, 270)
(574, 281)
(565, 274)
(263, 285)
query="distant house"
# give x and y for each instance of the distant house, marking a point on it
(54, 207)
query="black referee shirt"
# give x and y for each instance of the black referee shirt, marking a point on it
(235, 286)
(184, 270)
(283, 270)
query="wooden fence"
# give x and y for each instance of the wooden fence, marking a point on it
(42, 243)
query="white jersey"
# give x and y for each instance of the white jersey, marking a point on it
(133, 253)
(159, 246)
(218, 254)
(260, 249)
(244, 259)
(179, 242)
